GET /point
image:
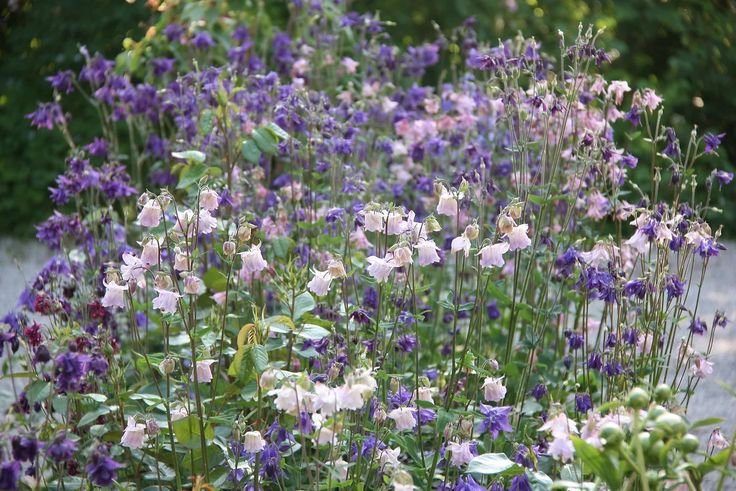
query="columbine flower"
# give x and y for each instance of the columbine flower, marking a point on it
(253, 442)
(495, 420)
(448, 204)
(349, 64)
(559, 426)
(461, 243)
(402, 256)
(61, 449)
(427, 252)
(253, 261)
(320, 283)
(101, 469)
(380, 268)
(114, 295)
(493, 389)
(336, 269)
(712, 142)
(404, 418)
(134, 434)
(192, 285)
(492, 255)
(562, 448)
(460, 453)
(204, 373)
(209, 200)
(373, 220)
(150, 253)
(151, 214)
(617, 89)
(133, 269)
(518, 238)
(717, 440)
(701, 367)
(166, 301)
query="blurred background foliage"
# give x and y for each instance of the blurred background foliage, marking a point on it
(684, 49)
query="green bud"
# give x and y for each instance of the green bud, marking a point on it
(689, 443)
(662, 393)
(670, 424)
(611, 435)
(638, 398)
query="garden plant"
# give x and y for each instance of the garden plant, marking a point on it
(288, 261)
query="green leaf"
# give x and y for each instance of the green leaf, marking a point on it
(205, 121)
(215, 280)
(38, 391)
(191, 174)
(276, 131)
(265, 141)
(706, 422)
(491, 464)
(539, 481)
(190, 156)
(187, 431)
(310, 331)
(597, 462)
(250, 151)
(259, 356)
(92, 416)
(302, 304)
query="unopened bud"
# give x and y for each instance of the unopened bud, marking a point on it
(192, 285)
(471, 231)
(244, 233)
(228, 248)
(379, 415)
(268, 380)
(167, 366)
(334, 371)
(432, 225)
(505, 224)
(515, 211)
(466, 427)
(336, 269)
(152, 427)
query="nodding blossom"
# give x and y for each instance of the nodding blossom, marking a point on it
(253, 261)
(461, 243)
(460, 453)
(167, 301)
(320, 283)
(700, 367)
(134, 434)
(427, 252)
(448, 203)
(492, 255)
(518, 237)
(151, 214)
(404, 418)
(380, 268)
(204, 372)
(114, 295)
(209, 200)
(493, 389)
(253, 442)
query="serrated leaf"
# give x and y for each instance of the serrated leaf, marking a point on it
(491, 464)
(259, 356)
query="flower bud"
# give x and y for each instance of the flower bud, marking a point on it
(505, 224)
(334, 371)
(515, 211)
(379, 415)
(395, 384)
(471, 231)
(336, 269)
(228, 248)
(167, 366)
(244, 233)
(466, 427)
(152, 427)
(268, 379)
(432, 225)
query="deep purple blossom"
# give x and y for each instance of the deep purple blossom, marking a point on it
(101, 469)
(495, 420)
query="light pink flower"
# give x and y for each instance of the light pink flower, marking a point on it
(461, 243)
(639, 242)
(192, 285)
(404, 418)
(253, 261)
(460, 453)
(427, 252)
(181, 259)
(209, 200)
(114, 295)
(562, 448)
(350, 65)
(320, 283)
(373, 221)
(166, 301)
(134, 434)
(518, 238)
(150, 253)
(253, 442)
(204, 373)
(402, 256)
(380, 268)
(448, 204)
(493, 389)
(207, 223)
(133, 269)
(701, 367)
(492, 255)
(151, 214)
(618, 88)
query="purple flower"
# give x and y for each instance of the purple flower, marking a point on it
(539, 391)
(698, 327)
(9, 475)
(583, 403)
(24, 449)
(202, 40)
(708, 248)
(271, 462)
(712, 142)
(62, 81)
(520, 483)
(492, 310)
(595, 360)
(406, 343)
(162, 66)
(674, 287)
(496, 420)
(46, 116)
(61, 449)
(672, 148)
(173, 32)
(101, 469)
(98, 148)
(69, 368)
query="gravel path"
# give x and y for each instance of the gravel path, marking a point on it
(19, 261)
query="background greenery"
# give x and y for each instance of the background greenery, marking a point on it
(682, 48)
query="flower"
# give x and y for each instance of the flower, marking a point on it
(101, 469)
(133, 269)
(61, 449)
(717, 440)
(192, 285)
(204, 374)
(24, 449)
(701, 367)
(404, 418)
(448, 204)
(380, 268)
(518, 238)
(209, 200)
(253, 442)
(114, 295)
(493, 389)
(253, 261)
(9, 475)
(402, 256)
(134, 434)
(562, 448)
(559, 426)
(461, 453)
(167, 301)
(427, 252)
(492, 255)
(712, 142)
(461, 243)
(151, 214)
(495, 420)
(320, 283)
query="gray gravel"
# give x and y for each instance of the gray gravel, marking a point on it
(19, 261)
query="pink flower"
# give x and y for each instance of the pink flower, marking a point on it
(151, 214)
(166, 301)
(359, 240)
(461, 243)
(192, 285)
(402, 256)
(493, 389)
(460, 453)
(114, 295)
(373, 221)
(150, 253)
(253, 442)
(395, 224)
(204, 374)
(134, 434)
(427, 252)
(562, 448)
(219, 297)
(206, 222)
(380, 268)
(133, 269)
(560, 426)
(253, 261)
(701, 367)
(639, 242)
(320, 283)
(404, 418)
(617, 88)
(447, 204)
(350, 65)
(181, 259)
(492, 255)
(209, 200)
(650, 99)
(518, 238)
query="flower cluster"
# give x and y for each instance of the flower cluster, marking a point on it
(288, 262)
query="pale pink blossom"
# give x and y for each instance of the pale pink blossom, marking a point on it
(461, 243)
(373, 221)
(253, 442)
(114, 295)
(427, 252)
(395, 224)
(562, 448)
(404, 418)
(181, 259)
(167, 301)
(639, 242)
(717, 440)
(209, 200)
(350, 65)
(150, 253)
(151, 214)
(359, 240)
(134, 434)
(402, 256)
(253, 261)
(460, 453)
(559, 426)
(320, 283)
(492, 255)
(701, 367)
(206, 222)
(133, 269)
(617, 89)
(380, 268)
(519, 238)
(204, 373)
(493, 389)
(448, 204)
(192, 285)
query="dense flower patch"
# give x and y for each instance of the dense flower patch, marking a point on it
(287, 263)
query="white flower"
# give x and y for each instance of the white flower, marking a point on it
(373, 221)
(461, 243)
(340, 467)
(192, 285)
(209, 200)
(181, 259)
(133, 269)
(448, 204)
(336, 269)
(326, 401)
(350, 397)
(460, 453)
(206, 222)
(293, 399)
(424, 394)
(395, 224)
(151, 214)
(427, 252)
(114, 295)
(701, 367)
(253, 442)
(389, 457)
(204, 374)
(404, 418)
(492, 255)
(325, 435)
(562, 448)
(380, 268)
(320, 283)
(559, 426)
(493, 389)
(179, 413)
(402, 256)
(166, 301)
(253, 261)
(134, 434)
(639, 242)
(519, 238)
(150, 253)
